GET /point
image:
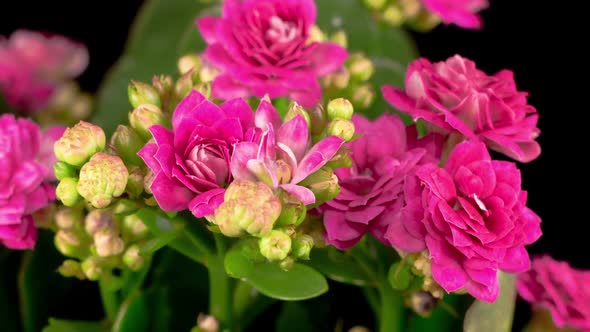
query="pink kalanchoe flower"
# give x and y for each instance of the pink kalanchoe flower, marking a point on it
(282, 155)
(261, 47)
(371, 191)
(472, 217)
(32, 64)
(557, 287)
(460, 12)
(191, 161)
(453, 96)
(24, 187)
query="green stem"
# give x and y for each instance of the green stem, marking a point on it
(391, 317)
(373, 299)
(109, 299)
(220, 295)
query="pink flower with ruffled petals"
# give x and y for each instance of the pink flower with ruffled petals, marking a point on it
(460, 12)
(455, 97)
(261, 47)
(557, 287)
(32, 64)
(191, 161)
(281, 155)
(24, 187)
(472, 217)
(371, 191)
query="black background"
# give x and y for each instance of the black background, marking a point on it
(535, 39)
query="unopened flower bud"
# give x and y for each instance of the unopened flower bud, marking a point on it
(302, 245)
(97, 220)
(323, 183)
(295, 110)
(81, 107)
(133, 228)
(141, 93)
(293, 212)
(79, 143)
(68, 243)
(67, 192)
(68, 218)
(133, 259)
(422, 302)
(359, 328)
(394, 15)
(63, 170)
(315, 34)
(341, 128)
(108, 243)
(183, 85)
(144, 116)
(314, 227)
(340, 160)
(135, 182)
(124, 207)
(339, 108)
(424, 21)
(318, 120)
(361, 68)
(375, 4)
(91, 268)
(204, 89)
(275, 246)
(127, 143)
(189, 62)
(363, 96)
(71, 268)
(338, 80)
(339, 37)
(102, 178)
(207, 323)
(287, 263)
(208, 73)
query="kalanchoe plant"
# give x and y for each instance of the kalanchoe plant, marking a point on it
(271, 163)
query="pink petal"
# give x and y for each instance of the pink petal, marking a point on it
(266, 113)
(317, 157)
(205, 204)
(208, 28)
(295, 135)
(243, 152)
(327, 57)
(303, 194)
(170, 195)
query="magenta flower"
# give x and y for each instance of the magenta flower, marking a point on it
(372, 192)
(261, 47)
(191, 161)
(472, 217)
(460, 12)
(32, 64)
(24, 187)
(557, 287)
(285, 159)
(455, 97)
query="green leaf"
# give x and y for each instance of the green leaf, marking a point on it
(163, 31)
(496, 316)
(59, 325)
(390, 49)
(299, 283)
(145, 311)
(294, 317)
(337, 266)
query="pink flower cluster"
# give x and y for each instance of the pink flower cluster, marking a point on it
(559, 288)
(33, 64)
(460, 12)
(262, 48)
(26, 161)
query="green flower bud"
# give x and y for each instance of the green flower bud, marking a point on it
(296, 109)
(183, 85)
(189, 62)
(315, 34)
(363, 96)
(102, 178)
(204, 89)
(141, 93)
(424, 21)
(323, 183)
(67, 192)
(338, 80)
(375, 4)
(207, 323)
(249, 207)
(287, 264)
(164, 84)
(124, 207)
(68, 218)
(341, 128)
(133, 259)
(148, 179)
(91, 268)
(97, 220)
(135, 182)
(144, 116)
(339, 108)
(361, 68)
(127, 143)
(314, 227)
(208, 73)
(71, 268)
(68, 243)
(108, 243)
(302, 245)
(423, 303)
(275, 246)
(63, 170)
(393, 15)
(318, 120)
(293, 212)
(133, 228)
(79, 143)
(340, 38)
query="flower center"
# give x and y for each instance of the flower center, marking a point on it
(281, 31)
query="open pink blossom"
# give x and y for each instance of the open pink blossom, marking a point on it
(24, 179)
(262, 47)
(281, 155)
(453, 96)
(371, 191)
(559, 288)
(32, 64)
(472, 217)
(191, 161)
(460, 12)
